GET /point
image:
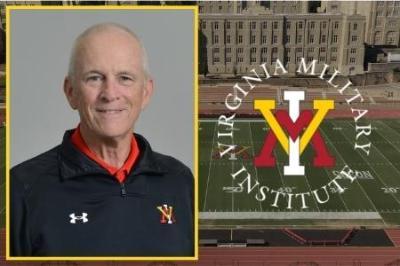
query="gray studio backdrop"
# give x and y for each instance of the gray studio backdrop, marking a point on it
(41, 41)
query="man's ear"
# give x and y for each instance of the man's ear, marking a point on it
(147, 92)
(70, 93)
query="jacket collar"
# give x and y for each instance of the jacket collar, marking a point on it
(73, 163)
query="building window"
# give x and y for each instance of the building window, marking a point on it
(253, 59)
(228, 38)
(275, 50)
(323, 38)
(355, 25)
(228, 59)
(240, 25)
(334, 38)
(215, 39)
(253, 50)
(353, 50)
(381, 3)
(228, 25)
(322, 50)
(310, 58)
(312, 25)
(288, 24)
(274, 39)
(264, 39)
(377, 37)
(299, 38)
(287, 38)
(298, 59)
(334, 50)
(275, 25)
(310, 49)
(240, 50)
(390, 38)
(333, 58)
(215, 60)
(264, 50)
(322, 58)
(379, 13)
(352, 60)
(264, 25)
(336, 25)
(240, 39)
(240, 59)
(215, 25)
(253, 25)
(392, 24)
(299, 50)
(311, 38)
(252, 39)
(300, 25)
(228, 50)
(354, 38)
(203, 25)
(324, 25)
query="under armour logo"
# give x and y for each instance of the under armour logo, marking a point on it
(82, 218)
(167, 216)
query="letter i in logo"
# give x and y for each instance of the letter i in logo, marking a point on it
(294, 167)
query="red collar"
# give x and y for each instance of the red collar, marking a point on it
(121, 173)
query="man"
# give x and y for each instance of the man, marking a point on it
(103, 191)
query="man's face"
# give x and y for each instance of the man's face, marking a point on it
(109, 88)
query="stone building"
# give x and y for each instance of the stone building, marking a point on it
(233, 44)
(382, 18)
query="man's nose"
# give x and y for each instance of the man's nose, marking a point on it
(110, 90)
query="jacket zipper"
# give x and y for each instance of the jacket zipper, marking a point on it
(123, 189)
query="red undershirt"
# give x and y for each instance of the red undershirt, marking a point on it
(120, 173)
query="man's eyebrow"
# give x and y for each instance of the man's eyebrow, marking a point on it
(129, 73)
(92, 72)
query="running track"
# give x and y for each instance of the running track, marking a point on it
(210, 256)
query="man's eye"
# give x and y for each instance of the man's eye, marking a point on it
(94, 78)
(126, 80)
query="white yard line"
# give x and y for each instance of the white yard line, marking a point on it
(386, 138)
(327, 173)
(361, 187)
(380, 179)
(209, 169)
(290, 215)
(252, 150)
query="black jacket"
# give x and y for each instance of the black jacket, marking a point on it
(65, 204)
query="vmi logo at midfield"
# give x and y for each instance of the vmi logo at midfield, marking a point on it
(294, 122)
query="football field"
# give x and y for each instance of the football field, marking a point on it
(373, 199)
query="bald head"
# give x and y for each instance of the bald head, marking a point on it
(113, 30)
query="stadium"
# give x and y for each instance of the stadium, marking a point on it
(365, 214)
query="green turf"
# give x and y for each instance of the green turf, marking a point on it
(363, 195)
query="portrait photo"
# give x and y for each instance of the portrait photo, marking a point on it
(102, 133)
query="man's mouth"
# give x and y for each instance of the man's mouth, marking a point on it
(110, 111)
